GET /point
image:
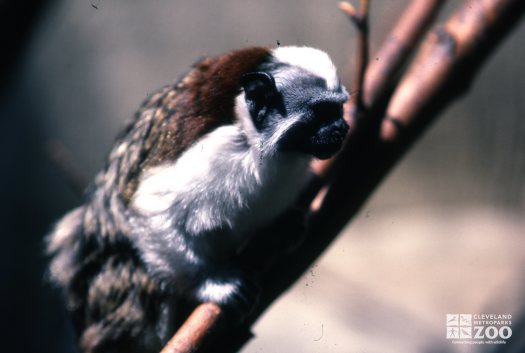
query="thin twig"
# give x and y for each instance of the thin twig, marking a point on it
(360, 20)
(354, 107)
(348, 9)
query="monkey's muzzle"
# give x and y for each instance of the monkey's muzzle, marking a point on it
(329, 138)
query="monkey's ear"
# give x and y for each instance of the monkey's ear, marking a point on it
(258, 86)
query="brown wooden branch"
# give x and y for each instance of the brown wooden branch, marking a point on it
(397, 48)
(449, 55)
(445, 66)
(201, 323)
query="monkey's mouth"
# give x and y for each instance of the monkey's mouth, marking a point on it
(319, 139)
(329, 139)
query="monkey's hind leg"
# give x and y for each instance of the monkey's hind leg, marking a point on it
(122, 310)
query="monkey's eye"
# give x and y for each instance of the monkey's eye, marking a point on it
(328, 111)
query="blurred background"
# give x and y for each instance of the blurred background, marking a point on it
(445, 232)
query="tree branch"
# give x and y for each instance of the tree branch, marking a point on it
(450, 57)
(199, 325)
(398, 47)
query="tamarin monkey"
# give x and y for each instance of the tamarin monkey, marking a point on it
(205, 163)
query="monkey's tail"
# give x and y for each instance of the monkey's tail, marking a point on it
(63, 245)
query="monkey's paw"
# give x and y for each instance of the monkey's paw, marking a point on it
(236, 294)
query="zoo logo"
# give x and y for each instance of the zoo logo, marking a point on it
(493, 328)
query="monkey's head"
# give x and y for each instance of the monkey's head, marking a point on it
(293, 102)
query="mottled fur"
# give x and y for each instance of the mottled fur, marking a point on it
(204, 163)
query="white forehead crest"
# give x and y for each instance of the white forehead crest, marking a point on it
(309, 59)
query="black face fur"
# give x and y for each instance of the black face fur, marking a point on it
(320, 128)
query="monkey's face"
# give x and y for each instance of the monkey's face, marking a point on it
(297, 112)
(320, 128)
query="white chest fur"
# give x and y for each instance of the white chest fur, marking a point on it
(220, 183)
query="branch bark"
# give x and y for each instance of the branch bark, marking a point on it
(199, 325)
(398, 47)
(390, 120)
